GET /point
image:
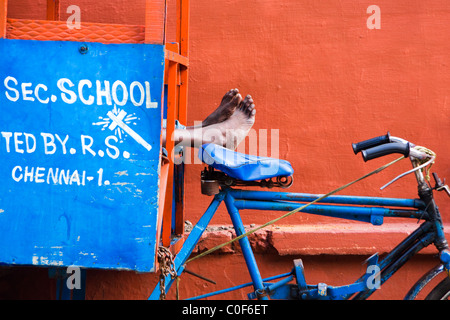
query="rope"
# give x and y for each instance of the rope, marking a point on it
(426, 171)
(293, 211)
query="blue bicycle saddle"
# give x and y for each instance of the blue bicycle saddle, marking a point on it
(243, 166)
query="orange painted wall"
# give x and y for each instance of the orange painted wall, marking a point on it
(320, 77)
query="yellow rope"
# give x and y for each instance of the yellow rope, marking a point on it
(293, 211)
(426, 171)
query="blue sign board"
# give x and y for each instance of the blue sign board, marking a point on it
(80, 147)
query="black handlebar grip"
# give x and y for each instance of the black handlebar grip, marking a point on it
(385, 149)
(357, 147)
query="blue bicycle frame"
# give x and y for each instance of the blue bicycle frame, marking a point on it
(366, 209)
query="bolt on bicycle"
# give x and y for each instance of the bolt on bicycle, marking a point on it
(228, 169)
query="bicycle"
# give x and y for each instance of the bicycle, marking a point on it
(227, 169)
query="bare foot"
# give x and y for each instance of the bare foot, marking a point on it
(228, 105)
(235, 128)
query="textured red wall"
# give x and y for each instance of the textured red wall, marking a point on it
(320, 77)
(324, 80)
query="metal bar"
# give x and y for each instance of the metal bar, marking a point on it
(395, 253)
(372, 215)
(182, 34)
(342, 292)
(179, 198)
(199, 228)
(299, 274)
(184, 77)
(53, 10)
(306, 197)
(170, 144)
(245, 245)
(244, 285)
(190, 243)
(3, 17)
(419, 245)
(403, 246)
(182, 117)
(175, 57)
(278, 284)
(397, 263)
(182, 38)
(199, 276)
(333, 292)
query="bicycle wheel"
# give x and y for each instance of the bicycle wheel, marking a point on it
(441, 291)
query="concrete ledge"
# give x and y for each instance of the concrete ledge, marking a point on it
(331, 239)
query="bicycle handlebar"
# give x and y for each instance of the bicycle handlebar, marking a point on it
(370, 143)
(385, 149)
(384, 145)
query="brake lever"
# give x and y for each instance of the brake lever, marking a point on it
(440, 186)
(432, 158)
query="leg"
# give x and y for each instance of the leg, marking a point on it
(228, 133)
(228, 105)
(236, 128)
(230, 102)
